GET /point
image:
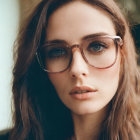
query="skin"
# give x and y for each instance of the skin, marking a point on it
(71, 23)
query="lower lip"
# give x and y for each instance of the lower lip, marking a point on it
(83, 96)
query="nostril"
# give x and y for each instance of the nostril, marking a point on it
(84, 74)
(73, 76)
(78, 75)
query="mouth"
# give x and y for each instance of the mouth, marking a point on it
(82, 92)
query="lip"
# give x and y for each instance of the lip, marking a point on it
(83, 96)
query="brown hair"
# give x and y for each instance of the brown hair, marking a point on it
(35, 100)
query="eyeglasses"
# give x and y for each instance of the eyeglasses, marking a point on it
(98, 51)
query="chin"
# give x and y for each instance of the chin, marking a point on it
(85, 110)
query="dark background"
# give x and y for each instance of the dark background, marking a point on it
(131, 8)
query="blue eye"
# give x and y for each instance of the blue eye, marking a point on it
(57, 52)
(96, 47)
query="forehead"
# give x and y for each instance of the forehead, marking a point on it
(77, 19)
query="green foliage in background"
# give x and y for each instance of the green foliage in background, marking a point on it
(131, 8)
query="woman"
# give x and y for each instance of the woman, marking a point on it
(75, 74)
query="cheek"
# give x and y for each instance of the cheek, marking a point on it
(111, 78)
(108, 79)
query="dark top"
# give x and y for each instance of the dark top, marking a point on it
(4, 136)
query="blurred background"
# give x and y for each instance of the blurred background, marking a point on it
(131, 8)
(14, 12)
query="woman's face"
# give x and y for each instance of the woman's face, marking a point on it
(71, 23)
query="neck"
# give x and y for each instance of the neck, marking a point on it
(88, 126)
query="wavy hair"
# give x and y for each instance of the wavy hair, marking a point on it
(39, 114)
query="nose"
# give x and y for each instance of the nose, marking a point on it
(79, 67)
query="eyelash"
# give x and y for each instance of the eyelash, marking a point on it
(54, 52)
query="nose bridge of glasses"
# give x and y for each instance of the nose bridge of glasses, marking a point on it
(77, 54)
(77, 49)
(75, 46)
(78, 64)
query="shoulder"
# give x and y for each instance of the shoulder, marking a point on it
(4, 135)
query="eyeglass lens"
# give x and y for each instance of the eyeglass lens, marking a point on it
(98, 52)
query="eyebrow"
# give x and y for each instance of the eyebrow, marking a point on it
(94, 35)
(55, 41)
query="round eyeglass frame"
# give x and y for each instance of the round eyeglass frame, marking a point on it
(117, 41)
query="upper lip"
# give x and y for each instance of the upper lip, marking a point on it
(82, 88)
